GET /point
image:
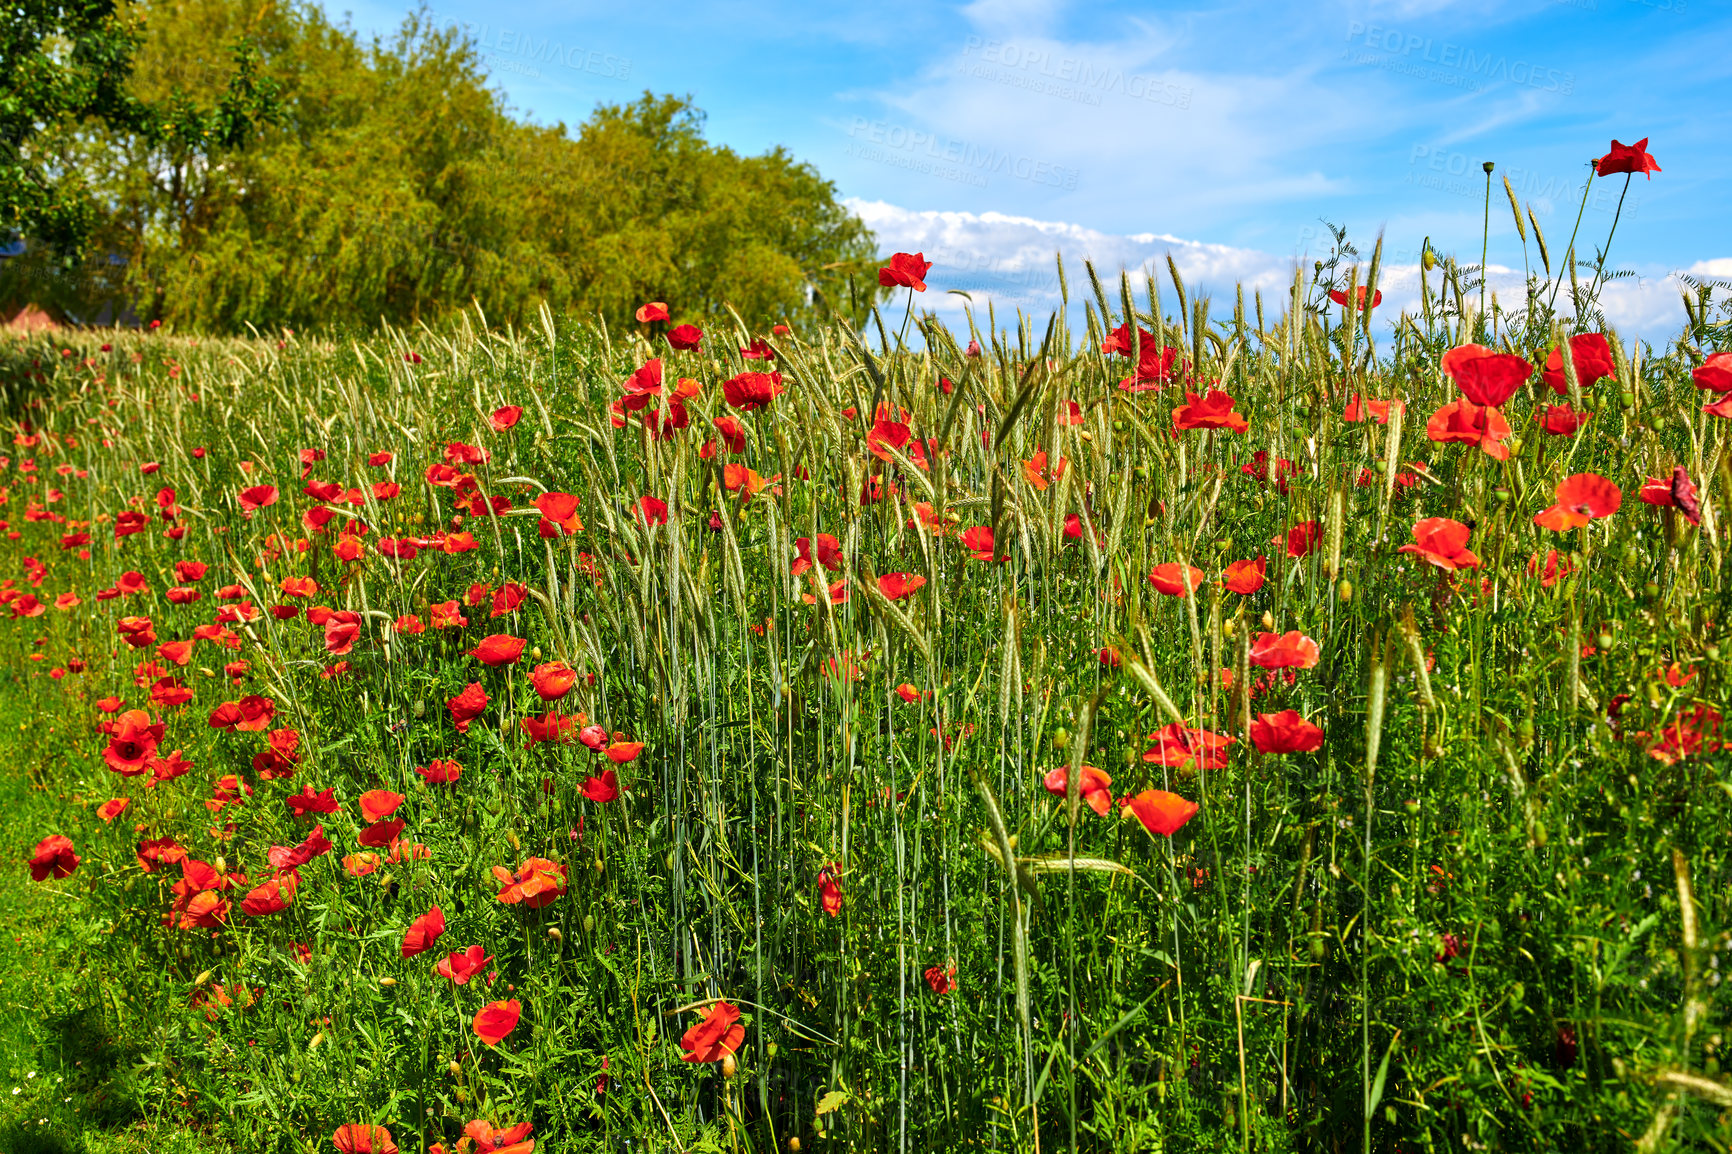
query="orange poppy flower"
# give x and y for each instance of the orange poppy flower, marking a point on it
(560, 510)
(498, 649)
(113, 808)
(536, 883)
(379, 804)
(494, 1021)
(1159, 811)
(714, 1038)
(360, 1138)
(273, 897)
(621, 752)
(491, 1140)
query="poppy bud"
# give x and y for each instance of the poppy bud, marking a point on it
(511, 839)
(772, 1049)
(553, 932)
(221, 865)
(420, 709)
(202, 978)
(600, 866)
(207, 672)
(728, 1066)
(1604, 640)
(453, 1069)
(536, 653)
(1412, 808)
(1268, 620)
(1060, 737)
(1346, 592)
(1540, 834)
(316, 1040)
(1229, 628)
(387, 981)
(1627, 399)
(793, 1143)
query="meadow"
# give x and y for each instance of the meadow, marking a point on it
(1177, 726)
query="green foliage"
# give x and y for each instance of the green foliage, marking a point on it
(395, 185)
(1507, 933)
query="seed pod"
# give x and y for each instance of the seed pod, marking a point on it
(589, 923)
(387, 981)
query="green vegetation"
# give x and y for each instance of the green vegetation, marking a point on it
(1483, 903)
(392, 183)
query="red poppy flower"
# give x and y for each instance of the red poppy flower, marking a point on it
(1443, 543)
(941, 981)
(1358, 410)
(159, 851)
(1721, 407)
(1036, 473)
(1715, 373)
(1160, 812)
(1301, 539)
(307, 801)
(1471, 424)
(1095, 789)
(498, 649)
(552, 680)
(1212, 411)
(342, 630)
(896, 586)
(601, 789)
(113, 808)
(53, 858)
(257, 497)
(1176, 745)
(830, 890)
(273, 897)
(467, 706)
(1593, 358)
(1170, 578)
(504, 417)
(905, 270)
(1485, 377)
(1580, 498)
(748, 391)
(360, 1138)
(829, 554)
(714, 1038)
(423, 932)
(1631, 158)
(440, 772)
(536, 883)
(1561, 420)
(653, 510)
(495, 1021)
(594, 736)
(555, 727)
(1285, 732)
(461, 967)
(284, 857)
(132, 742)
(653, 311)
(1245, 577)
(978, 541)
(1291, 650)
(685, 337)
(560, 509)
(1339, 296)
(380, 833)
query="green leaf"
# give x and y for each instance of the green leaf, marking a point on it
(832, 1102)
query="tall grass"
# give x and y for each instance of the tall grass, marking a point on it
(1489, 912)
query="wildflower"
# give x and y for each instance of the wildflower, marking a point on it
(685, 337)
(505, 417)
(560, 511)
(1212, 411)
(461, 967)
(1561, 420)
(423, 932)
(905, 270)
(1285, 732)
(1443, 543)
(1160, 812)
(1339, 296)
(621, 752)
(1095, 789)
(284, 857)
(1291, 650)
(467, 706)
(1581, 498)
(1378, 411)
(1592, 357)
(1038, 475)
(360, 1138)
(1301, 539)
(601, 789)
(829, 554)
(1245, 577)
(53, 858)
(273, 897)
(495, 1021)
(1484, 377)
(1468, 423)
(498, 649)
(307, 802)
(1628, 158)
(257, 497)
(941, 981)
(829, 889)
(1170, 578)
(653, 311)
(896, 586)
(537, 882)
(748, 391)
(1178, 746)
(491, 1140)
(978, 541)
(113, 808)
(1715, 373)
(653, 510)
(714, 1038)
(440, 772)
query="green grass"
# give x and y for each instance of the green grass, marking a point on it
(1489, 911)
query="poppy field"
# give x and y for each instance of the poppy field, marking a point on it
(1178, 726)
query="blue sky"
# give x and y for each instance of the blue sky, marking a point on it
(992, 133)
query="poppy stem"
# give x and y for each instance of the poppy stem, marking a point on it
(1600, 263)
(1485, 242)
(1570, 249)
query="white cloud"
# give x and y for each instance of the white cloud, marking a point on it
(1008, 260)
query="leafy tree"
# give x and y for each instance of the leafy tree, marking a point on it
(396, 185)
